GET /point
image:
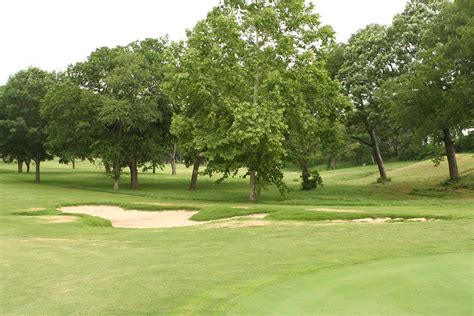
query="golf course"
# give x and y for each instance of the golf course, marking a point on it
(237, 157)
(307, 252)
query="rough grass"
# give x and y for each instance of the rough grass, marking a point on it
(220, 212)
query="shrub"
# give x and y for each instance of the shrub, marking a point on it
(311, 180)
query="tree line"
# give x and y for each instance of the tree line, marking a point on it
(256, 85)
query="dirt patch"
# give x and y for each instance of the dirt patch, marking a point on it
(257, 216)
(379, 220)
(48, 239)
(133, 218)
(58, 218)
(418, 219)
(322, 209)
(241, 207)
(251, 216)
(236, 224)
(35, 209)
(155, 203)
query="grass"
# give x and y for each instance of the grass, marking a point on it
(219, 212)
(89, 267)
(142, 206)
(320, 292)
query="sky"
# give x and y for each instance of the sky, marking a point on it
(51, 34)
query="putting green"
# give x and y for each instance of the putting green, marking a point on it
(422, 285)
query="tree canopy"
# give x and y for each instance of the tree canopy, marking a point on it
(436, 97)
(22, 130)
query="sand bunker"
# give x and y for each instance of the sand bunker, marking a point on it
(322, 209)
(58, 218)
(157, 219)
(135, 219)
(162, 219)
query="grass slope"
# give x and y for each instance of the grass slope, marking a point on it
(89, 267)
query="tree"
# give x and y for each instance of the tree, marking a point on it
(405, 36)
(197, 69)
(134, 111)
(314, 113)
(72, 129)
(366, 67)
(407, 31)
(21, 127)
(249, 46)
(436, 98)
(184, 131)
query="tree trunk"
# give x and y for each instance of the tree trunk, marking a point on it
(333, 163)
(37, 172)
(28, 166)
(173, 160)
(451, 155)
(154, 168)
(253, 187)
(133, 174)
(194, 176)
(376, 153)
(73, 164)
(107, 168)
(116, 171)
(305, 171)
(20, 166)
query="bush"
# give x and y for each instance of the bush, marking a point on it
(311, 180)
(466, 143)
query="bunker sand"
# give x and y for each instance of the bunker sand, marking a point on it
(164, 219)
(133, 218)
(58, 218)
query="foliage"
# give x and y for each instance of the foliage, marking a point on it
(315, 113)
(240, 64)
(311, 181)
(134, 114)
(406, 33)
(466, 142)
(71, 113)
(364, 70)
(22, 134)
(438, 94)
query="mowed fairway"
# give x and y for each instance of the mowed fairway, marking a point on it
(295, 263)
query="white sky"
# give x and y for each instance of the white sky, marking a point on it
(52, 34)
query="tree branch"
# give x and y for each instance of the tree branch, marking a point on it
(362, 141)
